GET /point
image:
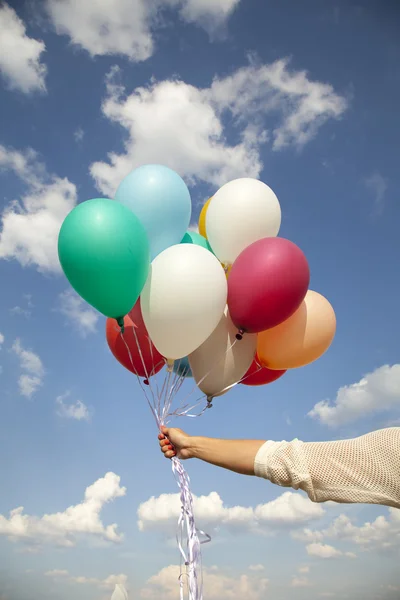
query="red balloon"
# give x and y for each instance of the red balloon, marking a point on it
(259, 375)
(145, 360)
(267, 283)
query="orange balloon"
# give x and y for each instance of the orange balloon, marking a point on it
(202, 219)
(302, 338)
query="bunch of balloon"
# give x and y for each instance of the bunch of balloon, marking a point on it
(211, 309)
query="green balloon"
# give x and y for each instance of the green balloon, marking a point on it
(104, 252)
(192, 237)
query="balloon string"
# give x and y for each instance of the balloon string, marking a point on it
(160, 406)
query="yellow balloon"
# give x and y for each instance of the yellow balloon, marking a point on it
(301, 339)
(202, 219)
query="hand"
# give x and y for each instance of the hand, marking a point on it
(175, 442)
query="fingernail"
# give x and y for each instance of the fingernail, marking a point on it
(171, 447)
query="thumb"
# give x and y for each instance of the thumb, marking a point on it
(164, 430)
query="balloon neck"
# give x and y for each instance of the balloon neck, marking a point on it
(210, 401)
(170, 364)
(240, 334)
(146, 382)
(120, 321)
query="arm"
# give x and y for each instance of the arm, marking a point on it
(234, 455)
(360, 470)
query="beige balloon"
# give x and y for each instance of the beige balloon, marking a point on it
(221, 361)
(301, 339)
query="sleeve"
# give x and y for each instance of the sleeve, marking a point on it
(361, 470)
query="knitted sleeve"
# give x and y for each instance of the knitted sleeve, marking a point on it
(361, 470)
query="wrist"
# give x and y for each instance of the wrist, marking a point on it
(195, 445)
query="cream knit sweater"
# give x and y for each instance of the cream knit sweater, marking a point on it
(363, 470)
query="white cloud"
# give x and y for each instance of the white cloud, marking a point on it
(377, 185)
(108, 583)
(300, 582)
(18, 311)
(217, 585)
(79, 134)
(30, 362)
(323, 551)
(381, 534)
(303, 570)
(30, 226)
(126, 27)
(211, 14)
(20, 55)
(81, 315)
(182, 126)
(375, 392)
(78, 411)
(2, 338)
(289, 509)
(65, 528)
(256, 568)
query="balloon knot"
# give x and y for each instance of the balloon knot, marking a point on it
(239, 335)
(120, 321)
(146, 382)
(209, 402)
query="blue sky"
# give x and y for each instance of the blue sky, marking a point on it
(304, 96)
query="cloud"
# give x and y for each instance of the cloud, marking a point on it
(289, 509)
(108, 583)
(2, 338)
(377, 185)
(32, 379)
(376, 392)
(81, 315)
(79, 134)
(303, 570)
(323, 551)
(20, 55)
(126, 27)
(256, 568)
(184, 127)
(67, 527)
(20, 311)
(78, 411)
(210, 14)
(300, 582)
(218, 585)
(30, 226)
(382, 534)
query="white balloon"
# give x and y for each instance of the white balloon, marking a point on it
(221, 361)
(183, 299)
(120, 593)
(241, 212)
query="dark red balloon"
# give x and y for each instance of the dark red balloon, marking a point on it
(259, 375)
(267, 283)
(144, 359)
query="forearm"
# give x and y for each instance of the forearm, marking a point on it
(234, 455)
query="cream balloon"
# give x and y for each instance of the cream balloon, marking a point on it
(301, 339)
(241, 212)
(221, 361)
(183, 299)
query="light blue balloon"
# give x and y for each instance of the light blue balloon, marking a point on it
(182, 367)
(160, 199)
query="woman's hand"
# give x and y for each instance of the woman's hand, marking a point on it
(175, 442)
